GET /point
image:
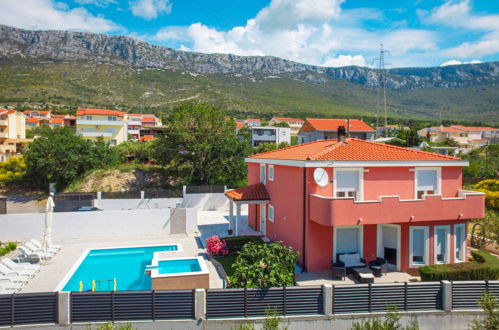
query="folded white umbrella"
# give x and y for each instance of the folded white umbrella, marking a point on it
(40, 246)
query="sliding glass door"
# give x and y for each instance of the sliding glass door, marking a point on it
(419, 247)
(441, 240)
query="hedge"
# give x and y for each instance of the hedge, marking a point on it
(484, 267)
(235, 244)
(11, 246)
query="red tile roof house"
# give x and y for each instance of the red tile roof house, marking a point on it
(326, 129)
(330, 197)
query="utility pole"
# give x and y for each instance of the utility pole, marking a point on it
(382, 83)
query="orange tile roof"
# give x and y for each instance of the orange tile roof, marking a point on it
(352, 150)
(104, 112)
(446, 129)
(288, 119)
(5, 112)
(57, 120)
(256, 120)
(146, 138)
(33, 120)
(239, 125)
(318, 124)
(474, 129)
(249, 193)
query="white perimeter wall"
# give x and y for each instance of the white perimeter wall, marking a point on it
(75, 225)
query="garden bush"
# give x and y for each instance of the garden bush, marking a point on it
(11, 246)
(235, 244)
(484, 267)
(491, 189)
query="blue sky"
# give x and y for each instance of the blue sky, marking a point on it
(319, 32)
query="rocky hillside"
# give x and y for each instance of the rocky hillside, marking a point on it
(66, 45)
(60, 69)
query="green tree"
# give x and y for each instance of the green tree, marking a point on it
(59, 155)
(142, 151)
(281, 124)
(269, 146)
(201, 146)
(490, 306)
(264, 266)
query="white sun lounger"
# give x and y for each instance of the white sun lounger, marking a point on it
(25, 272)
(39, 245)
(48, 253)
(29, 255)
(13, 278)
(20, 265)
(6, 290)
(10, 284)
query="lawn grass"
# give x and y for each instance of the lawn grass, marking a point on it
(227, 262)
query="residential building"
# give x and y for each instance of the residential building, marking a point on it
(467, 137)
(67, 121)
(270, 134)
(138, 121)
(12, 133)
(294, 123)
(390, 129)
(253, 122)
(37, 113)
(110, 124)
(149, 133)
(326, 129)
(351, 196)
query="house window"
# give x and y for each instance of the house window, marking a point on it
(271, 213)
(112, 118)
(271, 172)
(427, 182)
(347, 183)
(459, 243)
(419, 246)
(263, 179)
(89, 117)
(441, 241)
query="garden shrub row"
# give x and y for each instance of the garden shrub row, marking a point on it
(484, 267)
(235, 244)
(11, 246)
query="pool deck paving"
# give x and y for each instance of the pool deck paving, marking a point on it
(55, 270)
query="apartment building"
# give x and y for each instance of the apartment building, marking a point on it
(294, 123)
(270, 134)
(12, 132)
(109, 124)
(326, 129)
(136, 122)
(350, 196)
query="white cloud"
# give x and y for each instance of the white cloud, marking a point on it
(315, 32)
(98, 3)
(47, 14)
(459, 15)
(150, 9)
(456, 62)
(345, 60)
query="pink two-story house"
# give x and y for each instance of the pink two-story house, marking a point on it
(330, 197)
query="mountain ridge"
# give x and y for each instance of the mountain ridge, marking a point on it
(122, 50)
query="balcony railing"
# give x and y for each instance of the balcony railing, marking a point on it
(4, 135)
(329, 211)
(96, 134)
(4, 122)
(99, 122)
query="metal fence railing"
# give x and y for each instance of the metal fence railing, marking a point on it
(28, 308)
(121, 194)
(72, 201)
(111, 306)
(465, 294)
(366, 298)
(204, 189)
(170, 193)
(131, 305)
(253, 302)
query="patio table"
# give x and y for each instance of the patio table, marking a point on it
(363, 275)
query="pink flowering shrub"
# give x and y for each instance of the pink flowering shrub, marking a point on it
(216, 247)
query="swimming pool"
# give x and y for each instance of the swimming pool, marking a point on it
(127, 265)
(178, 266)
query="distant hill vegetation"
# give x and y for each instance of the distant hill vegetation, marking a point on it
(60, 69)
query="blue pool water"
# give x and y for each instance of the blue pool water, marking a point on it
(127, 265)
(178, 266)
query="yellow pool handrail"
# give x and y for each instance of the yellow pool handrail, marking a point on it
(93, 285)
(81, 286)
(114, 283)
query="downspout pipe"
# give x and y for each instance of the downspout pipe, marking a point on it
(305, 209)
